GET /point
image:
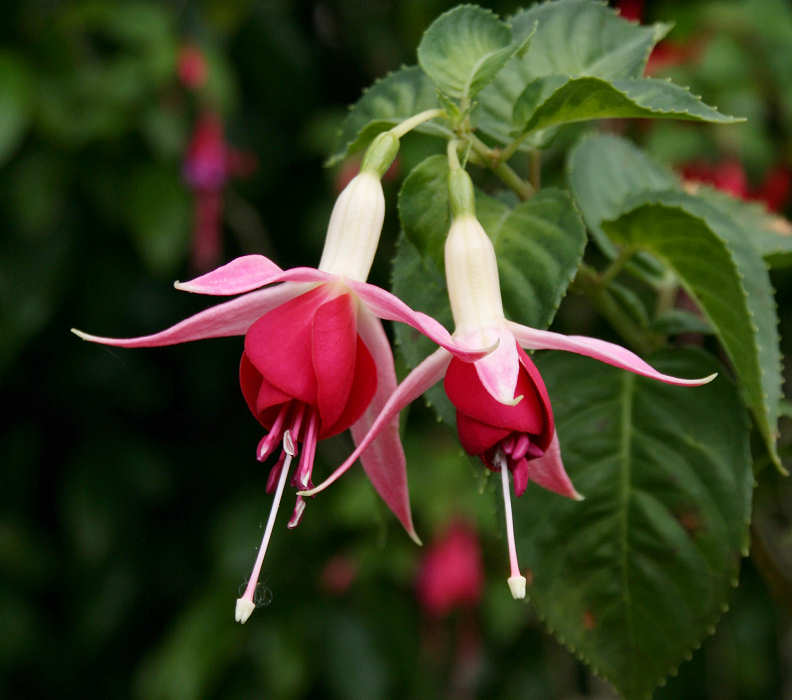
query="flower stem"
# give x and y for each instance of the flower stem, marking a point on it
(493, 159)
(416, 120)
(245, 604)
(453, 156)
(616, 266)
(536, 168)
(511, 149)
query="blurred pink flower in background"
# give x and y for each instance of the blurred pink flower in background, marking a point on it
(191, 67)
(631, 9)
(451, 574)
(338, 574)
(775, 188)
(208, 164)
(726, 175)
(729, 176)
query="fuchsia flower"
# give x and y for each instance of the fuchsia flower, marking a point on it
(727, 175)
(503, 410)
(191, 67)
(451, 574)
(208, 164)
(316, 359)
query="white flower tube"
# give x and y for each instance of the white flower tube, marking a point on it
(356, 221)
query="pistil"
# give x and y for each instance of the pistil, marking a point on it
(516, 580)
(245, 605)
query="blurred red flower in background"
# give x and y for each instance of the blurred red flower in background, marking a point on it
(729, 176)
(208, 164)
(451, 574)
(191, 67)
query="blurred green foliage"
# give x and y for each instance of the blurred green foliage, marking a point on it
(132, 504)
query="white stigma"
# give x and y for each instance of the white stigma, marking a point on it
(244, 609)
(516, 580)
(517, 586)
(245, 605)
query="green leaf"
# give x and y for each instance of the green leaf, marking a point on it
(418, 282)
(15, 103)
(559, 100)
(539, 244)
(605, 171)
(633, 578)
(387, 102)
(604, 46)
(463, 49)
(727, 278)
(675, 321)
(710, 248)
(770, 234)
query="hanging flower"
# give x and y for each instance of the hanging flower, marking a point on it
(503, 414)
(208, 164)
(316, 359)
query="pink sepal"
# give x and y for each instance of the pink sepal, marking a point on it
(230, 318)
(384, 460)
(387, 306)
(236, 277)
(601, 350)
(547, 471)
(499, 370)
(428, 373)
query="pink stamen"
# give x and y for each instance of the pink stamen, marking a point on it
(521, 447)
(296, 425)
(245, 604)
(299, 508)
(302, 476)
(274, 473)
(516, 579)
(535, 450)
(507, 445)
(268, 443)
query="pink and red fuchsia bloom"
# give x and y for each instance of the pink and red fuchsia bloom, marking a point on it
(316, 359)
(503, 410)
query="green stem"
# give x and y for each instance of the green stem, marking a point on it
(416, 120)
(453, 156)
(616, 266)
(536, 168)
(667, 292)
(507, 175)
(511, 149)
(589, 283)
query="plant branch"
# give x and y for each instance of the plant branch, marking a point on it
(524, 190)
(416, 120)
